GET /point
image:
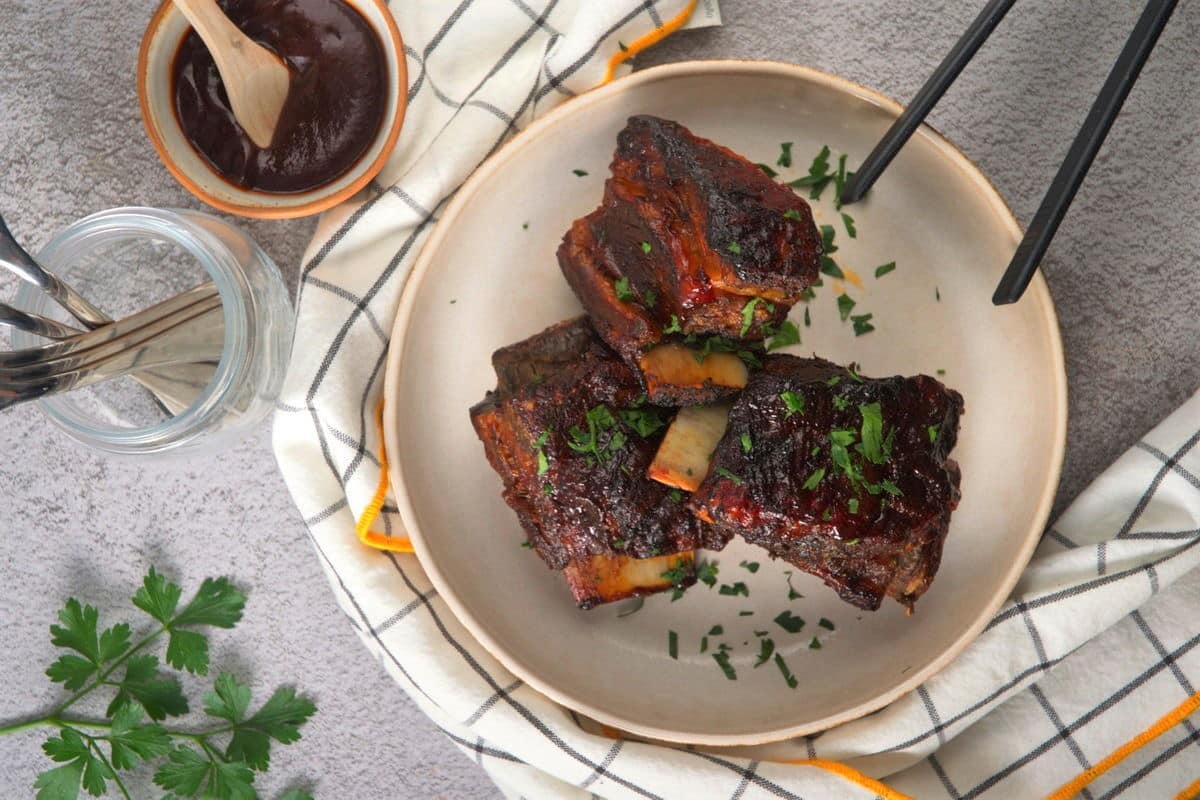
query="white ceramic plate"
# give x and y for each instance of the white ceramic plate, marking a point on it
(951, 235)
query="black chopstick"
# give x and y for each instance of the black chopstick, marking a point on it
(1083, 150)
(904, 126)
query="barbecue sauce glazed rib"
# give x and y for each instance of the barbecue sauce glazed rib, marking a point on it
(594, 506)
(698, 232)
(890, 542)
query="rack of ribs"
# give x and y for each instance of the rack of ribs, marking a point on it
(842, 476)
(693, 250)
(568, 431)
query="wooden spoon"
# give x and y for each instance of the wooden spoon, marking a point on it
(255, 79)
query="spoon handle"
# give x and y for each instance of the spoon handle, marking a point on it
(39, 326)
(17, 260)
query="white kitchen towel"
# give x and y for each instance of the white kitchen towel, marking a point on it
(1100, 642)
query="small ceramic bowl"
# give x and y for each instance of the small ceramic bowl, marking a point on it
(159, 46)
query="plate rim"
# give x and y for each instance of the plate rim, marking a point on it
(1038, 292)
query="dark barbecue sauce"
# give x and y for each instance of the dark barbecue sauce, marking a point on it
(334, 107)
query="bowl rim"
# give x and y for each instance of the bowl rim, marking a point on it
(1038, 293)
(319, 203)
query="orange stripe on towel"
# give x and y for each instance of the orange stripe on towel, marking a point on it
(642, 42)
(1181, 712)
(1191, 792)
(380, 541)
(852, 775)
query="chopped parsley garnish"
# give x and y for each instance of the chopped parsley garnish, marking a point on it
(840, 403)
(548, 488)
(872, 434)
(830, 268)
(853, 370)
(818, 176)
(673, 644)
(852, 506)
(826, 515)
(941, 372)
(543, 464)
(624, 48)
(651, 298)
(887, 486)
(884, 269)
(848, 221)
(792, 593)
(703, 643)
(807, 318)
(745, 613)
(933, 430)
(734, 590)
(793, 402)
(674, 327)
(839, 181)
(624, 293)
(734, 248)
(748, 314)
(788, 334)
(788, 677)
(747, 443)
(645, 247)
(524, 226)
(749, 566)
(789, 621)
(677, 574)
(706, 573)
(815, 644)
(644, 421)
(770, 173)
(766, 648)
(542, 439)
(792, 213)
(716, 630)
(633, 607)
(785, 155)
(826, 624)
(937, 294)
(619, 544)
(675, 495)
(579, 172)
(724, 473)
(527, 545)
(592, 442)
(862, 324)
(827, 235)
(814, 480)
(845, 305)
(834, 381)
(722, 659)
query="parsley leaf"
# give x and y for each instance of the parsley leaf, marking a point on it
(845, 305)
(722, 659)
(748, 315)
(734, 248)
(785, 155)
(651, 298)
(673, 644)
(734, 590)
(788, 677)
(884, 269)
(674, 327)
(788, 334)
(80, 765)
(848, 221)
(646, 247)
(279, 718)
(793, 402)
(645, 422)
(132, 741)
(716, 630)
(872, 433)
(932, 430)
(187, 773)
(706, 573)
(770, 173)
(749, 566)
(830, 268)
(789, 621)
(624, 293)
(161, 695)
(826, 624)
(579, 173)
(724, 473)
(814, 480)
(766, 648)
(792, 213)
(862, 324)
(747, 443)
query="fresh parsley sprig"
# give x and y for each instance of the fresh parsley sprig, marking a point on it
(219, 762)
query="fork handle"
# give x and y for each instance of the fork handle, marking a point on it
(37, 325)
(18, 260)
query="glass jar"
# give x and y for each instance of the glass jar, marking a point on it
(127, 259)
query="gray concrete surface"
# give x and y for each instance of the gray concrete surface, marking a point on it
(1123, 273)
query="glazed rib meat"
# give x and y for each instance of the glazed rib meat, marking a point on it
(569, 433)
(691, 241)
(845, 477)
